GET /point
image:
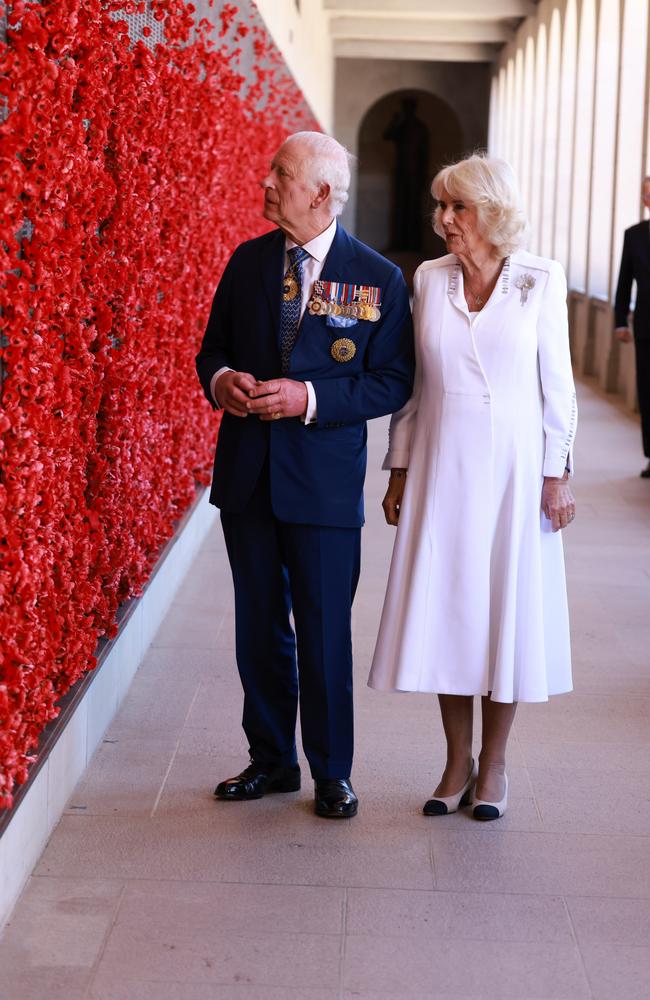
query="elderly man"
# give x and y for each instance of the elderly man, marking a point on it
(309, 336)
(635, 267)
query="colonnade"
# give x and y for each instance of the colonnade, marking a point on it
(569, 110)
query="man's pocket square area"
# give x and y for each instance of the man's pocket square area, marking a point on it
(341, 321)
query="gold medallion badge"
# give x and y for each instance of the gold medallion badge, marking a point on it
(289, 287)
(343, 349)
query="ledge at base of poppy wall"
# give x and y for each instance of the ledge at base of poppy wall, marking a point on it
(129, 173)
(69, 742)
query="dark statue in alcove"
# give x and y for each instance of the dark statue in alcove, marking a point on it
(411, 138)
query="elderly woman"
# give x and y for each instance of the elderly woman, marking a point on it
(479, 460)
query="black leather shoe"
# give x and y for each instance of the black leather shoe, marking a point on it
(335, 798)
(256, 780)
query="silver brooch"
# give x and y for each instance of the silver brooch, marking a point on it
(524, 283)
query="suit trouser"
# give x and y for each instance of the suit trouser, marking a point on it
(642, 350)
(276, 568)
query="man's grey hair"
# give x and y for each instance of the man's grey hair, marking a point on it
(327, 162)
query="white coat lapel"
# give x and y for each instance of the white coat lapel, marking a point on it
(455, 288)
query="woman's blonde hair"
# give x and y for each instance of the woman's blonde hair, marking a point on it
(489, 185)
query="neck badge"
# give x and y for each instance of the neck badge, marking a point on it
(289, 286)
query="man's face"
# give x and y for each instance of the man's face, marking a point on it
(288, 194)
(645, 194)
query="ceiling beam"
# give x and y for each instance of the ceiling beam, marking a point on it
(348, 48)
(359, 28)
(485, 10)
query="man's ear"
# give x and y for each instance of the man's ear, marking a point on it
(321, 196)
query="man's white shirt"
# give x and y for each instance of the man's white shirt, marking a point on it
(312, 267)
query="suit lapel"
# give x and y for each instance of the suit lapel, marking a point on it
(340, 254)
(272, 266)
(644, 240)
(336, 268)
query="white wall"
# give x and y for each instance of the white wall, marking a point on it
(360, 83)
(602, 167)
(303, 38)
(586, 166)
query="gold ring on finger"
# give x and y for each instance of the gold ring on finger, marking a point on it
(276, 415)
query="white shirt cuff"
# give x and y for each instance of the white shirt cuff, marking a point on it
(214, 380)
(311, 413)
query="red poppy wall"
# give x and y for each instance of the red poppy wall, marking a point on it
(132, 141)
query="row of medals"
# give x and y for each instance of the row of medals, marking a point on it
(324, 307)
(352, 310)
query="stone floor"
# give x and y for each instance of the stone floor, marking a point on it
(149, 890)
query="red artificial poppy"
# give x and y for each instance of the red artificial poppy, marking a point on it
(129, 173)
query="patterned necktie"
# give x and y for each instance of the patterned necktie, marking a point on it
(291, 302)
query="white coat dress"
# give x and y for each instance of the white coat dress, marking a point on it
(476, 599)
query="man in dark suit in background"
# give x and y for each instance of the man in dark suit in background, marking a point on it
(635, 266)
(309, 336)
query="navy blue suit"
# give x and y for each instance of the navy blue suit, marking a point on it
(291, 495)
(635, 267)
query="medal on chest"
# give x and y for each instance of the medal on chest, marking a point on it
(339, 298)
(343, 349)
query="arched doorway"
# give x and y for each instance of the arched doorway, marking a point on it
(404, 139)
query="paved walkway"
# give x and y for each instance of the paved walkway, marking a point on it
(149, 890)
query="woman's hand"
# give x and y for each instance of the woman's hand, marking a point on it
(557, 501)
(393, 499)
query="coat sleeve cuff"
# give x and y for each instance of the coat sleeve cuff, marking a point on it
(556, 467)
(396, 460)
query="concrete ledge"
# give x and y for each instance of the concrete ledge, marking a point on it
(601, 323)
(626, 375)
(596, 352)
(579, 330)
(73, 738)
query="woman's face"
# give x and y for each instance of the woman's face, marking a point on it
(459, 222)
